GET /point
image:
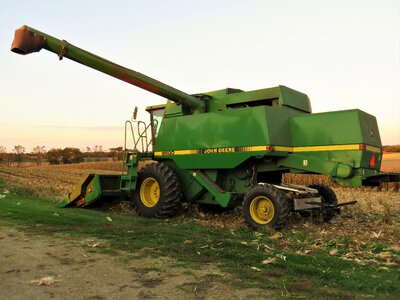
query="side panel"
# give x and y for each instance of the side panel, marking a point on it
(284, 95)
(236, 127)
(278, 125)
(348, 127)
(335, 128)
(295, 99)
(223, 140)
(212, 140)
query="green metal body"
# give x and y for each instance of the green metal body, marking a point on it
(224, 142)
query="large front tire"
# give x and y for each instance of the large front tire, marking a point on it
(265, 205)
(158, 193)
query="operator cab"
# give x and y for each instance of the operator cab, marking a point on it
(156, 116)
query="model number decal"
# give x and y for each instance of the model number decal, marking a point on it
(166, 153)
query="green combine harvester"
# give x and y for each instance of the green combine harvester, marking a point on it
(228, 147)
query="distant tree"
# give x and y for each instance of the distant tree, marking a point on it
(54, 156)
(117, 153)
(391, 148)
(72, 155)
(10, 158)
(3, 155)
(19, 152)
(39, 152)
(88, 153)
(98, 152)
(98, 148)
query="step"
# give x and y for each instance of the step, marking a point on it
(130, 164)
(128, 177)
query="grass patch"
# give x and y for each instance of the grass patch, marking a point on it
(239, 252)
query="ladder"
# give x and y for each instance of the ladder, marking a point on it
(141, 137)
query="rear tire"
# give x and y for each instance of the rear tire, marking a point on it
(158, 193)
(265, 205)
(328, 198)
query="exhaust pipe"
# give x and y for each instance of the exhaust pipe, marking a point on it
(26, 42)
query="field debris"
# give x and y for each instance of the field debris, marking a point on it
(281, 256)
(4, 193)
(46, 281)
(269, 261)
(376, 235)
(94, 244)
(384, 255)
(109, 219)
(276, 235)
(333, 252)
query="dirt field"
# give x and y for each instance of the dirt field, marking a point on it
(81, 272)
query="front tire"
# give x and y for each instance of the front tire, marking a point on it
(158, 193)
(265, 205)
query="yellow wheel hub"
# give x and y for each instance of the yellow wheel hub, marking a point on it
(262, 210)
(150, 192)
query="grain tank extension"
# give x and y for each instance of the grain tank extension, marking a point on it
(228, 147)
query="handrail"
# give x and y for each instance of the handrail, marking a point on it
(139, 135)
(142, 135)
(133, 135)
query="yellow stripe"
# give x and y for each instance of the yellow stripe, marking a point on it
(373, 149)
(255, 148)
(266, 148)
(184, 152)
(317, 148)
(326, 148)
(283, 148)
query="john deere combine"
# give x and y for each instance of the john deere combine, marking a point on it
(228, 147)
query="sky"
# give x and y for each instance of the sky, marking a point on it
(342, 54)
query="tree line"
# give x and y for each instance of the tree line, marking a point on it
(391, 148)
(55, 156)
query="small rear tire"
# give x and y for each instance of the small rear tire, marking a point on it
(328, 199)
(265, 205)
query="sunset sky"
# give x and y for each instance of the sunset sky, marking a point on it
(342, 54)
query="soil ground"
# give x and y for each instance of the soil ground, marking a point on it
(83, 270)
